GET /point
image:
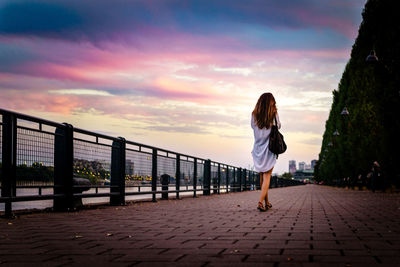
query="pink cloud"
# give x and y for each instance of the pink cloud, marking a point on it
(23, 100)
(127, 71)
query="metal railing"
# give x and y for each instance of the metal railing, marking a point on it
(66, 164)
(45, 160)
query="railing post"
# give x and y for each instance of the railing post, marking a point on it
(251, 180)
(240, 179)
(164, 185)
(257, 180)
(254, 180)
(207, 178)
(154, 174)
(247, 177)
(117, 182)
(227, 179)
(195, 177)
(234, 179)
(63, 167)
(219, 178)
(178, 175)
(251, 175)
(248, 181)
(245, 180)
(9, 161)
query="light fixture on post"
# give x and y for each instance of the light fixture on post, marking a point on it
(344, 112)
(336, 133)
(372, 57)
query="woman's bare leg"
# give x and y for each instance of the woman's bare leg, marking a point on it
(266, 178)
(261, 182)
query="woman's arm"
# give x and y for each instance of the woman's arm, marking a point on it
(278, 121)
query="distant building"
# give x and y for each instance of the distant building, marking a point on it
(292, 166)
(313, 162)
(129, 167)
(307, 166)
(302, 166)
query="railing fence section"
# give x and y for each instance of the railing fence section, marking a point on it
(44, 160)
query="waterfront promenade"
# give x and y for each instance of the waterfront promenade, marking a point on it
(308, 225)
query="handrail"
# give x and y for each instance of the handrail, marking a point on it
(31, 118)
(66, 189)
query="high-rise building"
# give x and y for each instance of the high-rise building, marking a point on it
(302, 166)
(292, 166)
(313, 162)
(129, 167)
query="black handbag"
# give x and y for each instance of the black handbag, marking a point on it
(276, 143)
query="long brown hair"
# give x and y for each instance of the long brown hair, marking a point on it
(265, 111)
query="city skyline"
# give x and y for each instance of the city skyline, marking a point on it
(181, 76)
(302, 165)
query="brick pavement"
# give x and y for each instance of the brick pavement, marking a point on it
(307, 226)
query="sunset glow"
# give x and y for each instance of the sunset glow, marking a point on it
(180, 75)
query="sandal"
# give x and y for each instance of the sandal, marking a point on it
(261, 207)
(269, 205)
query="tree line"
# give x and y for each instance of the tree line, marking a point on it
(367, 130)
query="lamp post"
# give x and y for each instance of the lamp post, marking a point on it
(371, 58)
(385, 71)
(336, 133)
(344, 112)
(345, 115)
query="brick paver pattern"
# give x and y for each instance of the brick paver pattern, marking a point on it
(308, 226)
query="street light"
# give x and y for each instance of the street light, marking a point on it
(336, 133)
(344, 112)
(371, 57)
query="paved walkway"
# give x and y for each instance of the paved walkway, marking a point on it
(307, 226)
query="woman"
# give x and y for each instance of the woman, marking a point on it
(262, 118)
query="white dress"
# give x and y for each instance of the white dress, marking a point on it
(264, 160)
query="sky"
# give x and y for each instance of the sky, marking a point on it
(179, 75)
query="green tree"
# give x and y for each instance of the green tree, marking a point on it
(370, 91)
(287, 175)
